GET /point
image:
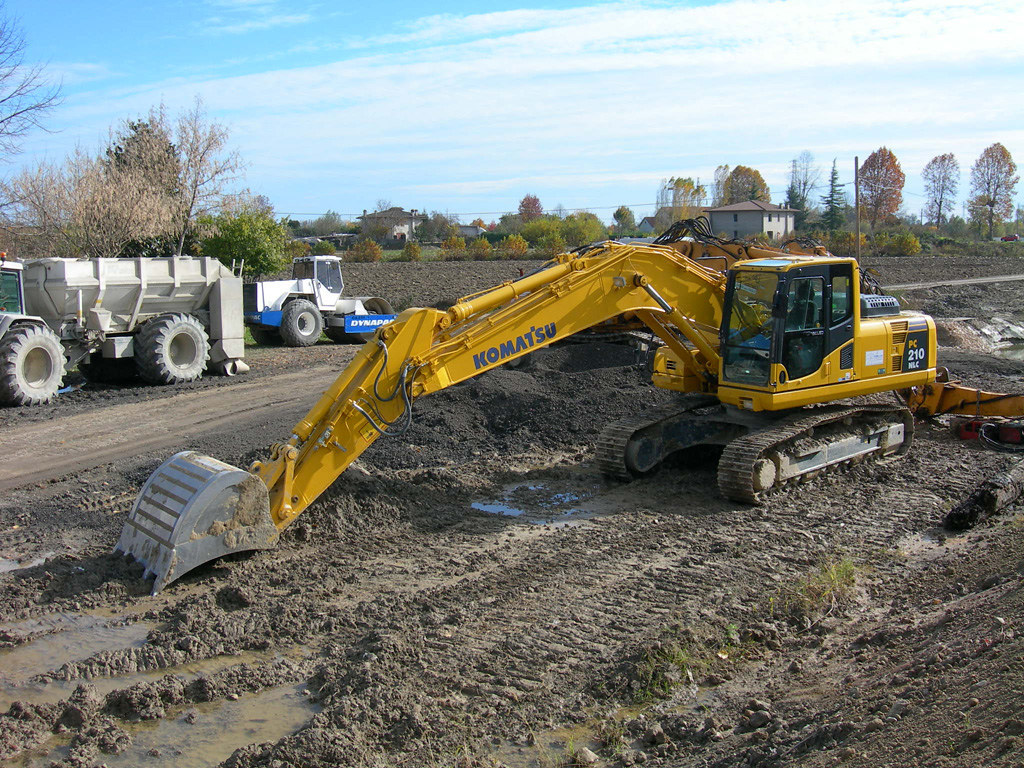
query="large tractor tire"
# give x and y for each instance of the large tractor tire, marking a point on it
(265, 337)
(31, 365)
(339, 335)
(301, 323)
(171, 349)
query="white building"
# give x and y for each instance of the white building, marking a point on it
(751, 218)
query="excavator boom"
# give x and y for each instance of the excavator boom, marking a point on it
(194, 509)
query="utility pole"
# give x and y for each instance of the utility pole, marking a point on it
(856, 200)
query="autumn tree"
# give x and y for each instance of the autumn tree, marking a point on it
(683, 198)
(803, 178)
(143, 149)
(881, 186)
(530, 208)
(993, 182)
(941, 179)
(87, 207)
(744, 184)
(834, 203)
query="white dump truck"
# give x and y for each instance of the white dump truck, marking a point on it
(166, 319)
(297, 311)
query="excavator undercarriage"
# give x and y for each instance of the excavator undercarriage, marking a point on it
(759, 454)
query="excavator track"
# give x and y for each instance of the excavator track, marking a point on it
(612, 449)
(762, 461)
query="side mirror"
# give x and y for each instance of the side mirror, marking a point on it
(780, 304)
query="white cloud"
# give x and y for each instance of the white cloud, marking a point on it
(218, 26)
(608, 97)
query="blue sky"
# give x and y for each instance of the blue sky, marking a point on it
(466, 107)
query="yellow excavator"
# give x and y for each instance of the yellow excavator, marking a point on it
(761, 343)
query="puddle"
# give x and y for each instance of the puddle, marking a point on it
(69, 637)
(1011, 352)
(6, 566)
(219, 729)
(536, 503)
(928, 544)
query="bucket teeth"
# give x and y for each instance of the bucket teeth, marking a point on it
(194, 509)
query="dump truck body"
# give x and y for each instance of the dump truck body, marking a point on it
(175, 317)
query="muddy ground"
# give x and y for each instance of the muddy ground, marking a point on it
(475, 594)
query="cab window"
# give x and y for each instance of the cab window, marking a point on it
(842, 298)
(329, 273)
(748, 338)
(302, 270)
(10, 300)
(806, 306)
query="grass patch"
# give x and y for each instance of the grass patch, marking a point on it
(807, 600)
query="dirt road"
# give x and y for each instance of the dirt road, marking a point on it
(475, 594)
(80, 441)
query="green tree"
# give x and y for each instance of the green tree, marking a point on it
(250, 236)
(551, 244)
(625, 221)
(744, 184)
(582, 228)
(537, 229)
(436, 228)
(834, 202)
(323, 248)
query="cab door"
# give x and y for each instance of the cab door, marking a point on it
(805, 330)
(819, 321)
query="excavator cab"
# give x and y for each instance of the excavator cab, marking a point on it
(795, 332)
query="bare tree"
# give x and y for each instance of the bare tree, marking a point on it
(718, 191)
(993, 182)
(206, 166)
(87, 207)
(941, 178)
(25, 94)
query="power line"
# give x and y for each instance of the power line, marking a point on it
(485, 213)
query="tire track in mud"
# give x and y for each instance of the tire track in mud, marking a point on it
(547, 619)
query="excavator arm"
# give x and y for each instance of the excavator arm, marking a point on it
(194, 508)
(950, 397)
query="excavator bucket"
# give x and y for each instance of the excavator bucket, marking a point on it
(194, 509)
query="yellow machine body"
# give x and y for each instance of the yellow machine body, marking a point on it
(762, 329)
